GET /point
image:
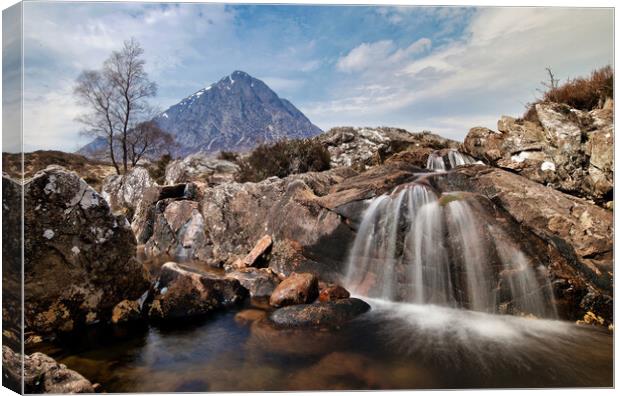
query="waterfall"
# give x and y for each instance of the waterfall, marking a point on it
(436, 160)
(416, 246)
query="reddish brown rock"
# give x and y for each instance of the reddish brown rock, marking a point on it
(296, 289)
(320, 314)
(333, 292)
(257, 255)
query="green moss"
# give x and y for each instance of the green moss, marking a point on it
(447, 198)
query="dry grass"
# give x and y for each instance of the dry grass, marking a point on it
(92, 171)
(583, 93)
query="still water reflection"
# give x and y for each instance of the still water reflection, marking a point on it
(394, 346)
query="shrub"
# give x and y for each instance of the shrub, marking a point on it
(580, 93)
(228, 156)
(283, 158)
(158, 169)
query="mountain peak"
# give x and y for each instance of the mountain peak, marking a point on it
(236, 113)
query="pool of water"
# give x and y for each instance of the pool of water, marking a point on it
(394, 346)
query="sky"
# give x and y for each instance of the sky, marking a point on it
(443, 69)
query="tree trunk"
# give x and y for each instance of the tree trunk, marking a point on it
(111, 146)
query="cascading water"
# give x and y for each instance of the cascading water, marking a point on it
(415, 246)
(455, 158)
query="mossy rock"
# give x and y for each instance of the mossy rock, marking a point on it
(447, 198)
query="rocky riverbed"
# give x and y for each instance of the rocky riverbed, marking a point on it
(205, 283)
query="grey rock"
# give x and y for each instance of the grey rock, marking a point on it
(41, 374)
(79, 257)
(183, 291)
(200, 167)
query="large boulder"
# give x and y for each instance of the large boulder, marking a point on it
(79, 257)
(201, 167)
(573, 236)
(296, 289)
(41, 374)
(568, 149)
(182, 292)
(237, 215)
(124, 192)
(11, 262)
(319, 314)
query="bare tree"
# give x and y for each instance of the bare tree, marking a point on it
(553, 82)
(117, 96)
(147, 138)
(94, 91)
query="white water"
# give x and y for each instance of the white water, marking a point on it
(455, 158)
(492, 343)
(414, 246)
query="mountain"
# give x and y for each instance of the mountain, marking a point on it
(236, 113)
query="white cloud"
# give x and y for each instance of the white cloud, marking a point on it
(365, 55)
(378, 55)
(493, 68)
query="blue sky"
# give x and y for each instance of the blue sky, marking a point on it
(444, 69)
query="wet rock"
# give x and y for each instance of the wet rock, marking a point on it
(265, 336)
(576, 235)
(260, 282)
(333, 293)
(568, 149)
(591, 318)
(296, 289)
(79, 257)
(375, 181)
(184, 292)
(41, 374)
(416, 156)
(319, 314)
(123, 192)
(201, 167)
(341, 370)
(126, 311)
(257, 254)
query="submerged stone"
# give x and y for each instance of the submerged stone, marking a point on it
(319, 314)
